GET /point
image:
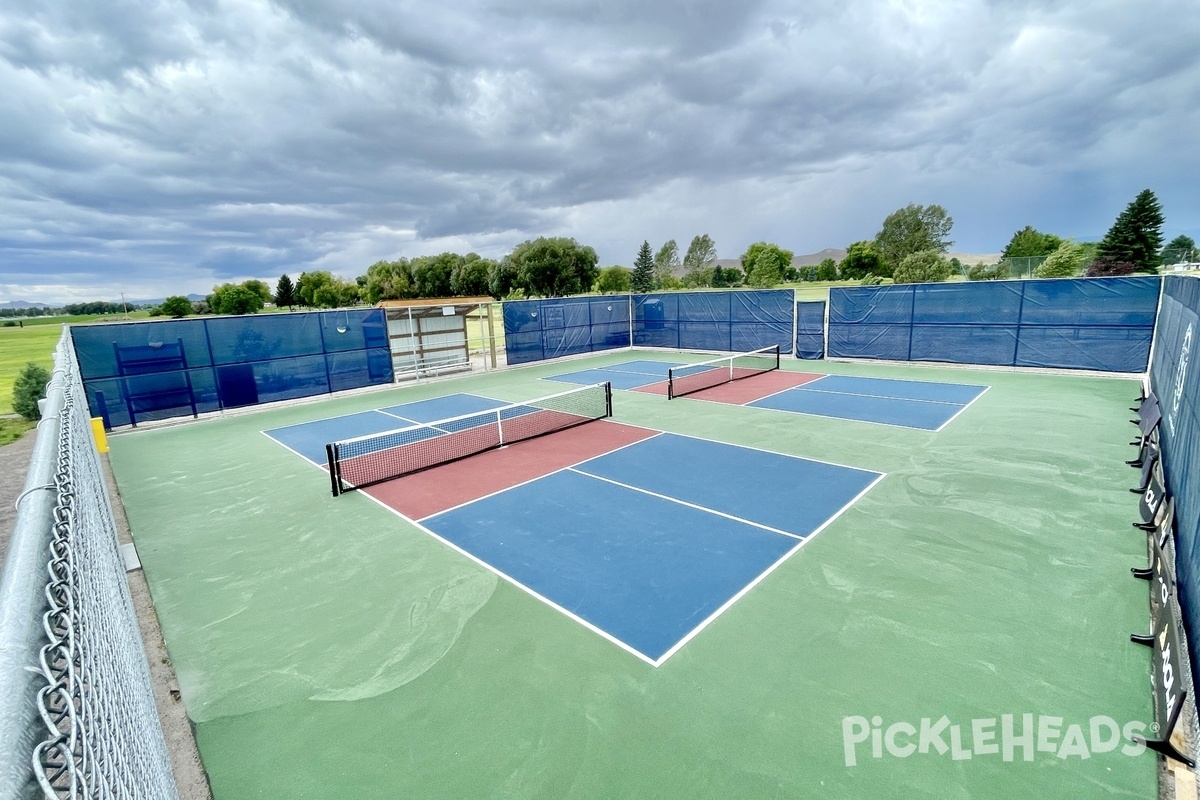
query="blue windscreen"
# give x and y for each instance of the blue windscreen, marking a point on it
(731, 321)
(140, 371)
(562, 326)
(1079, 323)
(1175, 379)
(723, 321)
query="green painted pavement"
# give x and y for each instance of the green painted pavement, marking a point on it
(326, 648)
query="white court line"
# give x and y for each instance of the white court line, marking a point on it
(772, 452)
(303, 457)
(745, 590)
(911, 400)
(668, 498)
(669, 365)
(539, 477)
(571, 615)
(781, 391)
(384, 410)
(964, 408)
(813, 414)
(394, 415)
(326, 419)
(604, 634)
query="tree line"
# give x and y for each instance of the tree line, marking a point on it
(910, 247)
(32, 311)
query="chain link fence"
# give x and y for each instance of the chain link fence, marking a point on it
(79, 720)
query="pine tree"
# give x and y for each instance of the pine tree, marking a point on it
(285, 292)
(28, 388)
(643, 270)
(1136, 236)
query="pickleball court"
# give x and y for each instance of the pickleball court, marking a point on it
(683, 599)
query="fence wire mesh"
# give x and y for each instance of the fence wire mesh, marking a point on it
(102, 736)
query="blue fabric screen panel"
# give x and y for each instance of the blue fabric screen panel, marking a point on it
(963, 344)
(233, 361)
(890, 342)
(1078, 323)
(656, 320)
(992, 303)
(1107, 349)
(1175, 379)
(722, 321)
(539, 329)
(810, 329)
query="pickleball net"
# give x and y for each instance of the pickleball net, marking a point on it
(365, 460)
(691, 378)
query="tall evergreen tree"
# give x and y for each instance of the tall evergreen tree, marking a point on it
(643, 269)
(285, 292)
(1136, 236)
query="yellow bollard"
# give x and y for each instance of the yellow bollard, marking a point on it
(99, 435)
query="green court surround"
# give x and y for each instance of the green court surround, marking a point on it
(327, 649)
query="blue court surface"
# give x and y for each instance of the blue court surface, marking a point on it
(648, 544)
(308, 439)
(626, 375)
(907, 404)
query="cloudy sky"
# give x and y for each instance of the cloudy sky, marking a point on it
(158, 147)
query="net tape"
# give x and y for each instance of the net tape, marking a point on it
(365, 460)
(702, 375)
(102, 733)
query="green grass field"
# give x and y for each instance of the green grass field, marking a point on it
(35, 341)
(18, 347)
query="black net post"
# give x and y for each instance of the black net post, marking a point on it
(331, 455)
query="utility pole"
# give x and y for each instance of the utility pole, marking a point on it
(124, 306)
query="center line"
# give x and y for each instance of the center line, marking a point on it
(686, 503)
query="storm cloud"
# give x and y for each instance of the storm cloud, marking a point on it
(160, 148)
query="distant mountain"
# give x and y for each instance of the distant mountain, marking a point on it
(25, 304)
(157, 301)
(812, 259)
(808, 260)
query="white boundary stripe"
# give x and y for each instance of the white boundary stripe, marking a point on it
(539, 477)
(409, 420)
(964, 408)
(670, 499)
(843, 419)
(746, 589)
(804, 388)
(521, 586)
(296, 453)
(773, 452)
(325, 419)
(807, 414)
(604, 634)
(498, 411)
(781, 391)
(669, 365)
